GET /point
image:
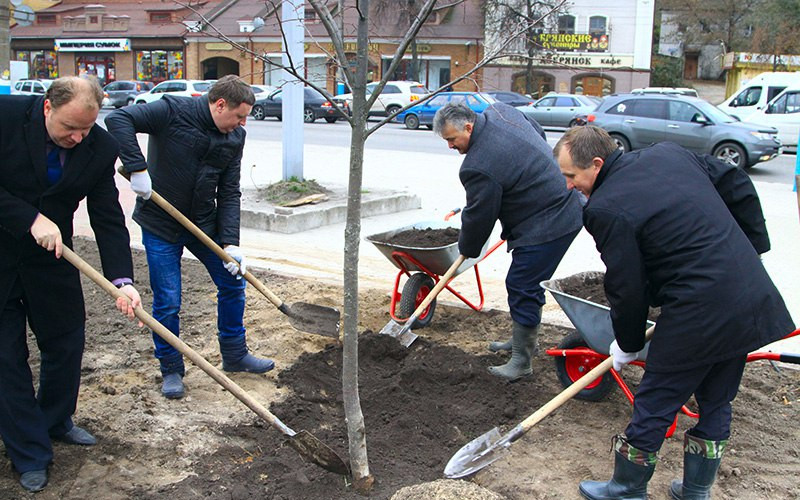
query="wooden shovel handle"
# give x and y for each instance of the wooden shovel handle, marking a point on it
(573, 389)
(206, 240)
(446, 277)
(178, 344)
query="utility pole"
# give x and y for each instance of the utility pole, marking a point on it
(292, 106)
(5, 33)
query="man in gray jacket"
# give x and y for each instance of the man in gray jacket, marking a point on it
(509, 175)
(194, 155)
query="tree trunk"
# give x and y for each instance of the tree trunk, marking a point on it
(414, 62)
(356, 431)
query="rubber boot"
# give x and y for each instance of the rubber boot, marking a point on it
(172, 372)
(523, 348)
(498, 346)
(633, 468)
(701, 459)
(236, 358)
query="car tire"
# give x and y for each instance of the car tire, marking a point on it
(391, 109)
(258, 112)
(732, 154)
(622, 142)
(331, 119)
(572, 123)
(129, 102)
(308, 115)
(412, 122)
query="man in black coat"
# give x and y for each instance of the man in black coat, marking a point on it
(682, 232)
(53, 156)
(509, 175)
(194, 154)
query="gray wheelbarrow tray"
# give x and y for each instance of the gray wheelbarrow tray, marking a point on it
(593, 321)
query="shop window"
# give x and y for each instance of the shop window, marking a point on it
(566, 24)
(41, 63)
(46, 19)
(100, 66)
(159, 65)
(160, 18)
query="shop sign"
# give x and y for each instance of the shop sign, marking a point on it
(93, 45)
(578, 42)
(749, 59)
(586, 60)
(218, 46)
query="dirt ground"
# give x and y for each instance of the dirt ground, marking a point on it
(420, 406)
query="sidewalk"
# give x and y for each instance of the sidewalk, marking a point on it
(319, 253)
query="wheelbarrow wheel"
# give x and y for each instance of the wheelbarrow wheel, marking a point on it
(418, 286)
(572, 368)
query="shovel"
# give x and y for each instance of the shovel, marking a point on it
(311, 318)
(304, 442)
(486, 449)
(402, 332)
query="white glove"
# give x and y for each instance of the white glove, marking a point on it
(141, 184)
(234, 267)
(620, 357)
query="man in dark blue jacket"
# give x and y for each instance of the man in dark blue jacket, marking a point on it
(509, 175)
(53, 156)
(682, 232)
(193, 161)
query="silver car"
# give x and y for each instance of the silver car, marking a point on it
(639, 120)
(560, 110)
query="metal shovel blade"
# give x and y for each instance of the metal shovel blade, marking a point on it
(313, 318)
(477, 454)
(316, 451)
(402, 332)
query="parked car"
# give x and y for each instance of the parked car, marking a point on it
(315, 105)
(666, 90)
(395, 95)
(124, 92)
(262, 91)
(510, 98)
(560, 110)
(638, 120)
(783, 113)
(422, 114)
(757, 92)
(186, 88)
(31, 87)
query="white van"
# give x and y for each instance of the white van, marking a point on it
(783, 113)
(757, 92)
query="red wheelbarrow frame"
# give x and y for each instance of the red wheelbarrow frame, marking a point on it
(582, 359)
(400, 259)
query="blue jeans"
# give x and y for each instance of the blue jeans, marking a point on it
(164, 262)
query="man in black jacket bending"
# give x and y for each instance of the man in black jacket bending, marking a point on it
(682, 232)
(193, 161)
(509, 175)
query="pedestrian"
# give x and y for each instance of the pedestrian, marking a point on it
(194, 161)
(682, 232)
(509, 175)
(54, 156)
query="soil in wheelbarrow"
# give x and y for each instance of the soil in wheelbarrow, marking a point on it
(425, 238)
(590, 287)
(420, 406)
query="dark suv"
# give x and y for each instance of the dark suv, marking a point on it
(638, 120)
(122, 92)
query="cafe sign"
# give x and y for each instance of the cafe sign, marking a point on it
(579, 42)
(586, 60)
(93, 45)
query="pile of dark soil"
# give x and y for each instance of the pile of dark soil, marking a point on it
(282, 192)
(589, 286)
(425, 238)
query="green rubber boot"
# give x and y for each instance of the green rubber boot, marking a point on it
(523, 348)
(701, 459)
(633, 469)
(497, 346)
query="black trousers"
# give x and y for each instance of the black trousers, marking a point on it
(27, 420)
(661, 395)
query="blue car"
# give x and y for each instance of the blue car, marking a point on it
(422, 114)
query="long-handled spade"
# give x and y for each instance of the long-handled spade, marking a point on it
(304, 442)
(402, 332)
(311, 318)
(489, 447)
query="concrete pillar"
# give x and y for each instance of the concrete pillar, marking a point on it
(292, 16)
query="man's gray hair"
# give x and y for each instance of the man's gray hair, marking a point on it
(454, 114)
(233, 90)
(68, 88)
(586, 143)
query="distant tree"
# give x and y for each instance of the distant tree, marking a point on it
(707, 22)
(777, 30)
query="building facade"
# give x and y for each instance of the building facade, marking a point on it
(585, 48)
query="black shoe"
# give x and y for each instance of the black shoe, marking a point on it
(34, 480)
(76, 435)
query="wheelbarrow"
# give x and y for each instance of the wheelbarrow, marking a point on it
(587, 347)
(423, 267)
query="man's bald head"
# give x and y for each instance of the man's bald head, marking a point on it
(84, 91)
